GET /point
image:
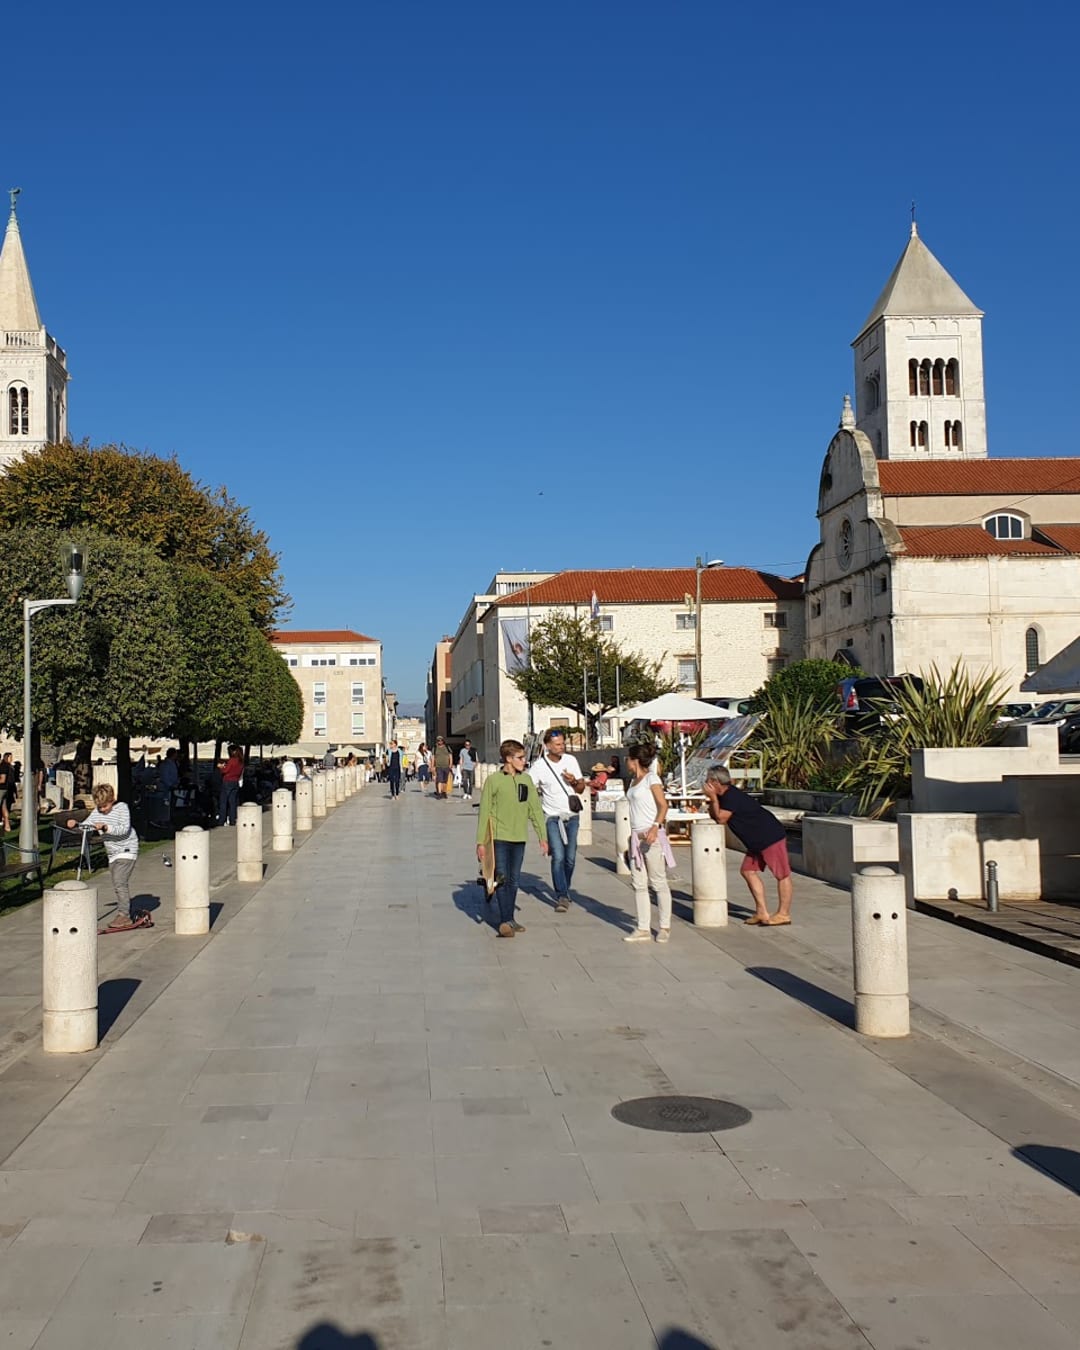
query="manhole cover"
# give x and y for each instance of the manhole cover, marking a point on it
(681, 1115)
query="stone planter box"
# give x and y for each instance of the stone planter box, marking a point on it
(943, 855)
(834, 847)
(821, 803)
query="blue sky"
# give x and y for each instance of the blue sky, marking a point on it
(391, 270)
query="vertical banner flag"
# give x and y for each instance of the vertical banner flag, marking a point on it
(515, 634)
(594, 608)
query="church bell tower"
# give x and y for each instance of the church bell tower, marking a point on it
(33, 366)
(918, 365)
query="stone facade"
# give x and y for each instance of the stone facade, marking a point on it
(934, 553)
(340, 675)
(751, 625)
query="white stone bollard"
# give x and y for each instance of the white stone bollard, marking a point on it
(879, 947)
(622, 838)
(584, 832)
(318, 795)
(249, 842)
(192, 872)
(708, 860)
(338, 776)
(281, 811)
(303, 805)
(69, 985)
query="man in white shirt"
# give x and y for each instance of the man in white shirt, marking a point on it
(289, 774)
(559, 780)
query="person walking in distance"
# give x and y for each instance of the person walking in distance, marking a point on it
(467, 765)
(232, 771)
(650, 851)
(444, 766)
(7, 789)
(507, 804)
(560, 782)
(764, 839)
(113, 820)
(422, 774)
(393, 768)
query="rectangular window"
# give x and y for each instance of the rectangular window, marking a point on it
(684, 622)
(319, 724)
(777, 620)
(358, 724)
(687, 676)
(815, 609)
(290, 660)
(605, 623)
(775, 665)
(358, 691)
(882, 585)
(359, 661)
(320, 660)
(845, 599)
(318, 692)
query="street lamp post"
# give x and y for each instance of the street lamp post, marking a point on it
(700, 567)
(74, 566)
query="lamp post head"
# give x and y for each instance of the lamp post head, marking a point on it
(74, 558)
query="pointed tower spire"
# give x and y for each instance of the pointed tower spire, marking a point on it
(18, 308)
(847, 415)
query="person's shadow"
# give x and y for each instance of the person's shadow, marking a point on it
(328, 1337)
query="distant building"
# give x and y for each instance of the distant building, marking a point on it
(931, 552)
(340, 675)
(33, 366)
(438, 699)
(751, 626)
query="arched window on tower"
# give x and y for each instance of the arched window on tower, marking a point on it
(924, 378)
(914, 434)
(18, 410)
(924, 435)
(1031, 651)
(913, 377)
(953, 440)
(873, 394)
(884, 662)
(952, 378)
(939, 377)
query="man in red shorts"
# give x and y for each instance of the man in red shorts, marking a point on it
(764, 839)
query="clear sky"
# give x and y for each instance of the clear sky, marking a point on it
(391, 269)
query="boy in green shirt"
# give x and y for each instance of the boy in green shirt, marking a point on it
(507, 804)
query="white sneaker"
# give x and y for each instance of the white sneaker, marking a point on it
(663, 935)
(638, 935)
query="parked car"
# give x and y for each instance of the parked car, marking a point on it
(1016, 712)
(1054, 713)
(1069, 735)
(867, 699)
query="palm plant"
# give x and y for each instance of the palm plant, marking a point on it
(956, 709)
(794, 738)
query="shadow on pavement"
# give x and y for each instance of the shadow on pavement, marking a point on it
(113, 998)
(328, 1337)
(1063, 1164)
(468, 897)
(682, 1340)
(812, 995)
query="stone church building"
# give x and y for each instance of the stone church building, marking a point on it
(33, 366)
(930, 551)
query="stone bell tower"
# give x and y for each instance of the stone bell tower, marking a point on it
(919, 367)
(33, 366)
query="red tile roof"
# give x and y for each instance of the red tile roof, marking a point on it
(967, 541)
(978, 477)
(342, 636)
(1066, 537)
(655, 585)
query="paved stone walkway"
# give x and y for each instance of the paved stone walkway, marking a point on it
(356, 1120)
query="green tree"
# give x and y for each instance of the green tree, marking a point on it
(220, 655)
(566, 653)
(107, 666)
(154, 502)
(794, 684)
(273, 712)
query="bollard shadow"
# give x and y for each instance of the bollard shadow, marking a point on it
(113, 998)
(677, 1339)
(145, 903)
(1063, 1164)
(326, 1336)
(811, 995)
(215, 909)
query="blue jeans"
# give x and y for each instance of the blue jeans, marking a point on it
(508, 860)
(563, 856)
(227, 803)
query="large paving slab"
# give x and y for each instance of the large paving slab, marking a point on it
(355, 1119)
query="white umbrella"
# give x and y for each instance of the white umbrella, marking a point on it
(675, 708)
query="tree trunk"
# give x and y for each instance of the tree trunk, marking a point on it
(123, 769)
(84, 773)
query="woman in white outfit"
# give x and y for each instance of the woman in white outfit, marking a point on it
(649, 847)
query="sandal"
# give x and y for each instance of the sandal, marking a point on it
(755, 919)
(778, 921)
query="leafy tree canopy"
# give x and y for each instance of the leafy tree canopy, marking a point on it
(812, 681)
(151, 501)
(564, 646)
